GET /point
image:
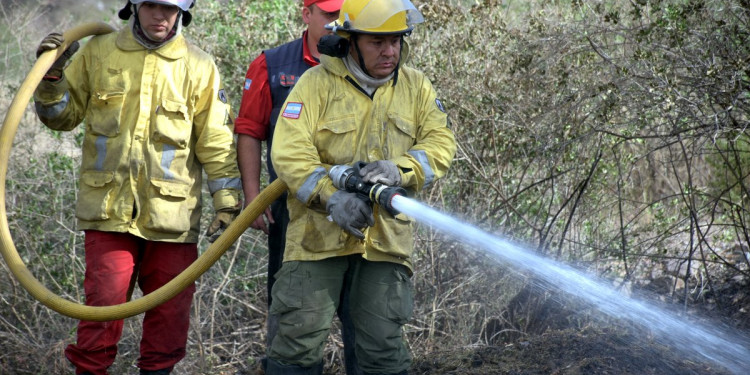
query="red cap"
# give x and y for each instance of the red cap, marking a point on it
(326, 5)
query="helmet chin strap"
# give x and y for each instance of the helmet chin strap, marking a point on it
(398, 63)
(355, 41)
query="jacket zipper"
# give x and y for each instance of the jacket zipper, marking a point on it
(358, 87)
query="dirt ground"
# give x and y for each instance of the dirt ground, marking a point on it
(566, 352)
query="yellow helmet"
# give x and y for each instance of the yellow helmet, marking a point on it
(376, 17)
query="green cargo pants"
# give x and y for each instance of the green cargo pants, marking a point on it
(307, 294)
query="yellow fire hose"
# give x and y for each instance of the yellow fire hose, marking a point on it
(134, 307)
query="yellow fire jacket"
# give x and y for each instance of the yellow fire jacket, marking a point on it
(328, 120)
(154, 119)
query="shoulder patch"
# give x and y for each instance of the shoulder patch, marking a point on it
(440, 105)
(248, 82)
(223, 96)
(292, 110)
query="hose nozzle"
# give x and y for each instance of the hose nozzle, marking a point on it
(347, 178)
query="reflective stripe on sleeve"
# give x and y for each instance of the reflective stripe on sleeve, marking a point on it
(53, 110)
(421, 157)
(224, 183)
(304, 193)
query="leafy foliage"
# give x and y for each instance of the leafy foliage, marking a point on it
(236, 31)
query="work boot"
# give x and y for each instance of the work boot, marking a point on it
(276, 368)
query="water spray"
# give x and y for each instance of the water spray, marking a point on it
(730, 350)
(347, 178)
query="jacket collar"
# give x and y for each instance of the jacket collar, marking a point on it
(173, 50)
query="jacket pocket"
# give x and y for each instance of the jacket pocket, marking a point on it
(336, 140)
(103, 113)
(393, 235)
(168, 207)
(172, 123)
(94, 195)
(321, 234)
(401, 136)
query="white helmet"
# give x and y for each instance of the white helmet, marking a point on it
(185, 5)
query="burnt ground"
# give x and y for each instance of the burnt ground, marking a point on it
(566, 352)
(588, 351)
(594, 350)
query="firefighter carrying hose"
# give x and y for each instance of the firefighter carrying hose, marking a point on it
(156, 117)
(360, 104)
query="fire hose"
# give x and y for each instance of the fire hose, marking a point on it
(136, 306)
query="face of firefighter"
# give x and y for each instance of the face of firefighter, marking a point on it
(157, 20)
(316, 20)
(381, 53)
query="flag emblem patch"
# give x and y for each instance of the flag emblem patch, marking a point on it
(292, 110)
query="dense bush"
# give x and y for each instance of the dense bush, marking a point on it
(610, 135)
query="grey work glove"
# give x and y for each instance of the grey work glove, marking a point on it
(381, 172)
(53, 41)
(221, 221)
(350, 213)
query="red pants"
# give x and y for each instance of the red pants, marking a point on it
(111, 260)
